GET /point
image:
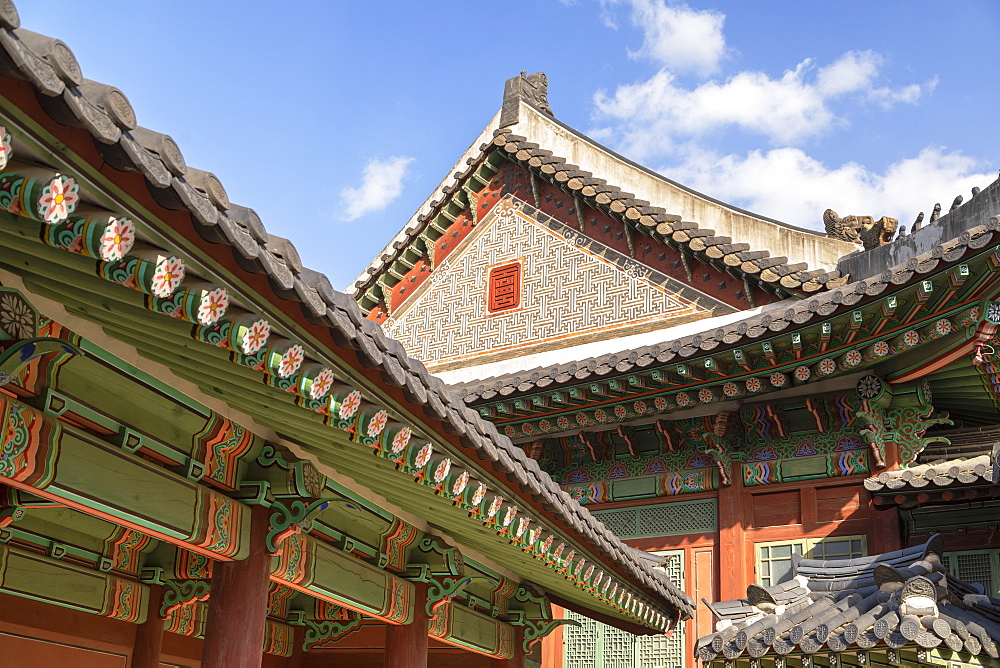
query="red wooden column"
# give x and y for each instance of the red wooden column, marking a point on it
(237, 608)
(552, 644)
(149, 634)
(887, 534)
(732, 537)
(406, 644)
(518, 659)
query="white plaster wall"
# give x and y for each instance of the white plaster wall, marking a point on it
(819, 251)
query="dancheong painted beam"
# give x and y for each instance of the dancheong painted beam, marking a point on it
(198, 431)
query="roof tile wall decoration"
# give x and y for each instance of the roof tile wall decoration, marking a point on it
(447, 323)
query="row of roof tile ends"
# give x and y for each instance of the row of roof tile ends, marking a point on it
(106, 113)
(898, 599)
(799, 313)
(980, 469)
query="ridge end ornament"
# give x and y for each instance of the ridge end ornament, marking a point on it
(532, 89)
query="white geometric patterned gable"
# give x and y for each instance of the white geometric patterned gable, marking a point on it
(572, 290)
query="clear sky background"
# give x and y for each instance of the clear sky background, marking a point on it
(335, 120)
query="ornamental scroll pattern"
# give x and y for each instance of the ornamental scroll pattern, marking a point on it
(188, 620)
(393, 543)
(443, 569)
(219, 446)
(278, 638)
(123, 548)
(41, 369)
(905, 426)
(29, 444)
(219, 523)
(324, 634)
(124, 600)
(910, 423)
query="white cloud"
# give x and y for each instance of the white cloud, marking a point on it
(678, 37)
(381, 183)
(793, 187)
(665, 119)
(649, 117)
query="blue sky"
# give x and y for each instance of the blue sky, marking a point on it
(335, 120)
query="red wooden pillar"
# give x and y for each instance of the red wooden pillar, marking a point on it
(237, 608)
(149, 634)
(406, 644)
(732, 537)
(552, 644)
(887, 534)
(517, 660)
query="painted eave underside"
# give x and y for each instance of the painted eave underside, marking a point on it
(803, 260)
(301, 300)
(973, 224)
(857, 604)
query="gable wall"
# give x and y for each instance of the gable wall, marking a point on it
(445, 338)
(571, 291)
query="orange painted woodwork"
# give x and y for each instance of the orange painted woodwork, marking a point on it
(409, 284)
(839, 503)
(406, 644)
(504, 292)
(234, 633)
(776, 509)
(653, 253)
(703, 587)
(732, 547)
(552, 644)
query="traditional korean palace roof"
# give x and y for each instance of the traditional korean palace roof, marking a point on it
(740, 239)
(978, 229)
(924, 317)
(126, 248)
(896, 609)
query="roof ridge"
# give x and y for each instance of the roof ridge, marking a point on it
(638, 213)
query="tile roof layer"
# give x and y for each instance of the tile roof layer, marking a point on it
(638, 213)
(894, 600)
(104, 111)
(970, 459)
(980, 232)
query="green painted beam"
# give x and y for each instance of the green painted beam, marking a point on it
(31, 575)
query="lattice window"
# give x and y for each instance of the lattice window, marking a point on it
(665, 519)
(661, 652)
(622, 523)
(580, 642)
(596, 645)
(774, 559)
(850, 547)
(976, 566)
(504, 288)
(619, 648)
(774, 562)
